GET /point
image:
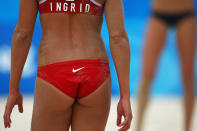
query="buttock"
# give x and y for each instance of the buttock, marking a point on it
(172, 19)
(76, 78)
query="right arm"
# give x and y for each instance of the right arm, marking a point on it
(119, 46)
(119, 43)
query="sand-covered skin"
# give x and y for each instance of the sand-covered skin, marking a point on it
(163, 114)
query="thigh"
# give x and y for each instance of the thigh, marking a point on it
(154, 42)
(52, 109)
(90, 113)
(186, 32)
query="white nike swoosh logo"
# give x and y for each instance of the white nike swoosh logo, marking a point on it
(75, 70)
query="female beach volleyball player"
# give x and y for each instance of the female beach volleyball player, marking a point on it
(73, 83)
(180, 15)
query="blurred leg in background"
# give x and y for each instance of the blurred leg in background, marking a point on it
(155, 40)
(186, 44)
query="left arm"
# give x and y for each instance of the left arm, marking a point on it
(21, 43)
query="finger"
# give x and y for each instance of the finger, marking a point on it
(5, 121)
(8, 119)
(20, 107)
(119, 118)
(126, 121)
(8, 113)
(124, 128)
(8, 110)
(7, 116)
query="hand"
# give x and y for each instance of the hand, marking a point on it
(14, 98)
(124, 109)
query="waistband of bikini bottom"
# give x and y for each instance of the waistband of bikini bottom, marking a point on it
(76, 62)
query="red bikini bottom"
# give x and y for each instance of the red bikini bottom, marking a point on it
(76, 78)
